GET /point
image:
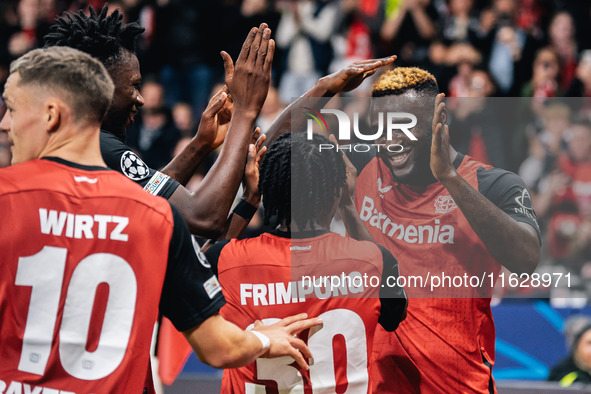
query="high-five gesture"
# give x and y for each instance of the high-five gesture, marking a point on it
(215, 120)
(250, 182)
(344, 80)
(351, 77)
(248, 80)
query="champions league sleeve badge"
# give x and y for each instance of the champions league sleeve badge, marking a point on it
(133, 167)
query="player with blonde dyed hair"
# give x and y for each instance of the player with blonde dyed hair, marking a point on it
(402, 79)
(437, 211)
(447, 342)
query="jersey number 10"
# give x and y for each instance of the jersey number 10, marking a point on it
(44, 272)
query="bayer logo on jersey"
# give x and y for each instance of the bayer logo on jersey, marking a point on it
(133, 167)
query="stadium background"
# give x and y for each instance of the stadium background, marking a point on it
(475, 48)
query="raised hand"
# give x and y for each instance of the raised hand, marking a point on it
(248, 80)
(351, 77)
(441, 163)
(250, 182)
(283, 342)
(215, 120)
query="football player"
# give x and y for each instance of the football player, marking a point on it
(84, 272)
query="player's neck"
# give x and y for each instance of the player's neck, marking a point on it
(76, 144)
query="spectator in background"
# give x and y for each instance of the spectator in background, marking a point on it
(565, 198)
(544, 80)
(455, 55)
(408, 29)
(545, 145)
(531, 16)
(561, 37)
(581, 245)
(460, 24)
(581, 84)
(183, 119)
(27, 30)
(188, 53)
(462, 58)
(578, 166)
(480, 129)
(304, 34)
(580, 10)
(153, 135)
(576, 368)
(239, 16)
(509, 47)
(359, 28)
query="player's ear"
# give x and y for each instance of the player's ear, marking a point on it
(443, 119)
(52, 114)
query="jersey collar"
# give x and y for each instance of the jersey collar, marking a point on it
(299, 234)
(74, 165)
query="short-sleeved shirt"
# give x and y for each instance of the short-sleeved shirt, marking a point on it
(446, 343)
(88, 259)
(120, 157)
(264, 278)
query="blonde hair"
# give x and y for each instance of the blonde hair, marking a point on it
(401, 79)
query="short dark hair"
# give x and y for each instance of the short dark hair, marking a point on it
(98, 35)
(81, 80)
(295, 163)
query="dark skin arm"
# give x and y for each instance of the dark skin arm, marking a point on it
(211, 133)
(344, 80)
(206, 210)
(236, 224)
(513, 244)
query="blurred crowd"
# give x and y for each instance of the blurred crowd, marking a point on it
(540, 49)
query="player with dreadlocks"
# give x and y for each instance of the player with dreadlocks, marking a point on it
(278, 273)
(206, 210)
(113, 43)
(77, 226)
(292, 165)
(437, 211)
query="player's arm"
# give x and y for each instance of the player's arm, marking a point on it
(222, 344)
(393, 299)
(251, 197)
(211, 133)
(344, 80)
(206, 210)
(514, 244)
(191, 298)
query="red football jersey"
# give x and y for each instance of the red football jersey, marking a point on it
(446, 344)
(264, 279)
(81, 278)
